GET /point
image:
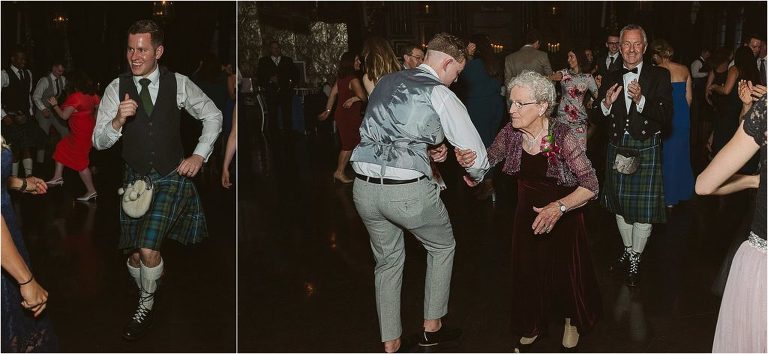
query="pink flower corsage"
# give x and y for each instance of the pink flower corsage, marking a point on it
(549, 148)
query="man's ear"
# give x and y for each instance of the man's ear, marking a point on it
(159, 52)
(447, 61)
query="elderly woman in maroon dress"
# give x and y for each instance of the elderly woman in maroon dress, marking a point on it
(551, 265)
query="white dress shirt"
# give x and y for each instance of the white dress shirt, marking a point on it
(457, 127)
(276, 60)
(628, 78)
(42, 85)
(7, 81)
(188, 97)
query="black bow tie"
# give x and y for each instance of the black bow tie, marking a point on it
(625, 70)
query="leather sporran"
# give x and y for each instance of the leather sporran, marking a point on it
(627, 160)
(137, 197)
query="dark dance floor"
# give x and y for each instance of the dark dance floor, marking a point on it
(306, 269)
(75, 257)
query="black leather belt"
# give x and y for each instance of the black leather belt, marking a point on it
(387, 180)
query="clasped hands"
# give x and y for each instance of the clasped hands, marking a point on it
(548, 215)
(634, 90)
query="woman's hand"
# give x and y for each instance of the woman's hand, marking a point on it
(745, 92)
(350, 101)
(35, 186)
(225, 179)
(469, 181)
(35, 297)
(52, 101)
(323, 116)
(466, 158)
(547, 218)
(438, 153)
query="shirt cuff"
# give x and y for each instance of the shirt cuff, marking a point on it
(203, 150)
(640, 105)
(606, 111)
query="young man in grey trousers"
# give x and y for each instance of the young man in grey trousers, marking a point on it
(408, 116)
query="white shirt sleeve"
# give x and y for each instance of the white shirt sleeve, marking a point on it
(196, 102)
(459, 130)
(695, 67)
(104, 135)
(37, 96)
(5, 79)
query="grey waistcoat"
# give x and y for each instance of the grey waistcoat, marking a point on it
(400, 122)
(49, 92)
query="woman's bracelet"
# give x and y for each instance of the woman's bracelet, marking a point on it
(32, 277)
(23, 187)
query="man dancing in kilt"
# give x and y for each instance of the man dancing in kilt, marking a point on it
(638, 103)
(144, 108)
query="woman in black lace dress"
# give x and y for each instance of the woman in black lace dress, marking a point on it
(741, 325)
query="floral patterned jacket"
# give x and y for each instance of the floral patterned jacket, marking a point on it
(567, 161)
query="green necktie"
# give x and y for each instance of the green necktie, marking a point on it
(146, 99)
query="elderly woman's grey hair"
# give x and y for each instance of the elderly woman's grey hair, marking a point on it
(633, 27)
(543, 89)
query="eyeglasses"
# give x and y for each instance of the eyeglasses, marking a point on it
(518, 105)
(612, 43)
(636, 45)
(416, 56)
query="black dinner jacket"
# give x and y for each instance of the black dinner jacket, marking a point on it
(285, 71)
(602, 69)
(656, 86)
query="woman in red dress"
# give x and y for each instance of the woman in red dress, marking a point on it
(348, 117)
(79, 109)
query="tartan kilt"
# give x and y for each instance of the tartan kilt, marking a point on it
(638, 197)
(23, 136)
(175, 213)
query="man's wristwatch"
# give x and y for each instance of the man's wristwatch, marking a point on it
(563, 208)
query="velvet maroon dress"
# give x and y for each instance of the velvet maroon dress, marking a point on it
(348, 120)
(552, 273)
(72, 151)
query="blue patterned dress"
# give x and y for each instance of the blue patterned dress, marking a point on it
(21, 332)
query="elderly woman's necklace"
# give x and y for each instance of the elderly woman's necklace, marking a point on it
(531, 143)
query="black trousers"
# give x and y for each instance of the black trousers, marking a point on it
(279, 105)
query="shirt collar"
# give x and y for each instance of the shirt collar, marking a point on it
(53, 77)
(15, 70)
(153, 76)
(613, 55)
(429, 69)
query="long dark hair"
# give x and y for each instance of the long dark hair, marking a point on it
(346, 65)
(745, 61)
(484, 51)
(581, 60)
(79, 81)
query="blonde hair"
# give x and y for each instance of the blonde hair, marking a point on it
(662, 48)
(379, 58)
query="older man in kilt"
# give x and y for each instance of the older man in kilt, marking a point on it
(143, 108)
(638, 103)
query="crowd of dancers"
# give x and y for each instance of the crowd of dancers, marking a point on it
(634, 119)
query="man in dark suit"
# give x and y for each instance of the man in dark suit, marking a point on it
(611, 61)
(637, 102)
(277, 75)
(529, 57)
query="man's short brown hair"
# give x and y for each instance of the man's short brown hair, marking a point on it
(449, 44)
(151, 27)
